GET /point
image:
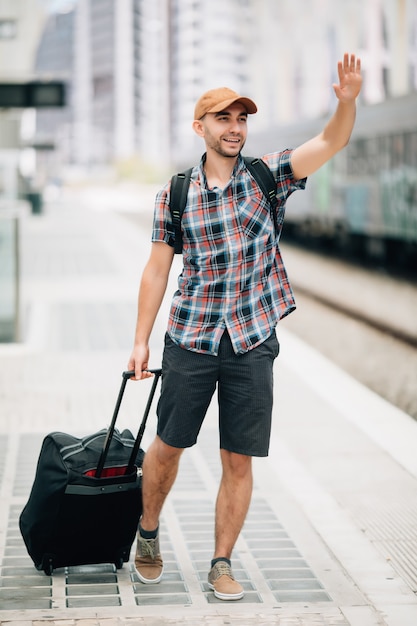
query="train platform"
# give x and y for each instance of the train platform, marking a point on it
(331, 536)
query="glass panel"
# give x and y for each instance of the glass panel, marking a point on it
(8, 278)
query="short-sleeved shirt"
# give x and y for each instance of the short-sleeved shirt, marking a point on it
(233, 275)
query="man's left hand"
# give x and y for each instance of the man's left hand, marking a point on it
(350, 78)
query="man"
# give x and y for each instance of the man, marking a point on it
(221, 331)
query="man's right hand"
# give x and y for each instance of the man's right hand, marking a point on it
(138, 362)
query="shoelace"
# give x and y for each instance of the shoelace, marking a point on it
(148, 547)
(222, 568)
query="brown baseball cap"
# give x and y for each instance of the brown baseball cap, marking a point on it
(219, 99)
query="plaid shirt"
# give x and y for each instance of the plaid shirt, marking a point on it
(233, 276)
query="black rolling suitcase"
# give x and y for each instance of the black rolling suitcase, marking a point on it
(85, 502)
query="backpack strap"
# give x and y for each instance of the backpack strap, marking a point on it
(177, 203)
(266, 181)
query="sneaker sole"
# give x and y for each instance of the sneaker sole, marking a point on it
(149, 581)
(226, 596)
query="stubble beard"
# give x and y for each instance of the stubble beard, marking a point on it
(217, 147)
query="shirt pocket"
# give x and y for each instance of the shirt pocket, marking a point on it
(254, 217)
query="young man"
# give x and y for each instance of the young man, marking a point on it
(221, 330)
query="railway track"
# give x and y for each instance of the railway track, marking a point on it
(403, 335)
(363, 321)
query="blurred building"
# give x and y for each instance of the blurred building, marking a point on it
(209, 47)
(138, 66)
(20, 29)
(152, 87)
(54, 126)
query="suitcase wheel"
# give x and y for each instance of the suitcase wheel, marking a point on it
(119, 562)
(48, 568)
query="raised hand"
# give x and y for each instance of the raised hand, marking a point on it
(350, 79)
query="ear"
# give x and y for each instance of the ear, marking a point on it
(198, 128)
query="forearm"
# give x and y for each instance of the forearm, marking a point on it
(337, 132)
(311, 155)
(151, 294)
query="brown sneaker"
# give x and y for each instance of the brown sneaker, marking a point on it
(221, 581)
(148, 561)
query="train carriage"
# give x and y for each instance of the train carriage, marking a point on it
(366, 197)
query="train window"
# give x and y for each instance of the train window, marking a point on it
(367, 157)
(384, 153)
(411, 149)
(397, 151)
(363, 157)
(372, 156)
(357, 158)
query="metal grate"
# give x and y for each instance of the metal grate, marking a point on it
(266, 560)
(22, 586)
(393, 529)
(287, 574)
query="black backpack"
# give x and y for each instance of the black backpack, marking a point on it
(181, 182)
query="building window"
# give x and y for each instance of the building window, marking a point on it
(102, 85)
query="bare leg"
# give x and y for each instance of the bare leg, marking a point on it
(233, 501)
(160, 469)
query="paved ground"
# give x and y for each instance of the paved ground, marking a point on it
(331, 538)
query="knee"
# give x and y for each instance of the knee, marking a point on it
(238, 465)
(164, 453)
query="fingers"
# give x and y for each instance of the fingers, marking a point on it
(350, 64)
(141, 374)
(340, 71)
(140, 370)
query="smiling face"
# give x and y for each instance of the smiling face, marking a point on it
(225, 132)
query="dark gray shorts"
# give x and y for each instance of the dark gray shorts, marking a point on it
(245, 395)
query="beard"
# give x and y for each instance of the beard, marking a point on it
(222, 148)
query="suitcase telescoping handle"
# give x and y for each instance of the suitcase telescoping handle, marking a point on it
(106, 446)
